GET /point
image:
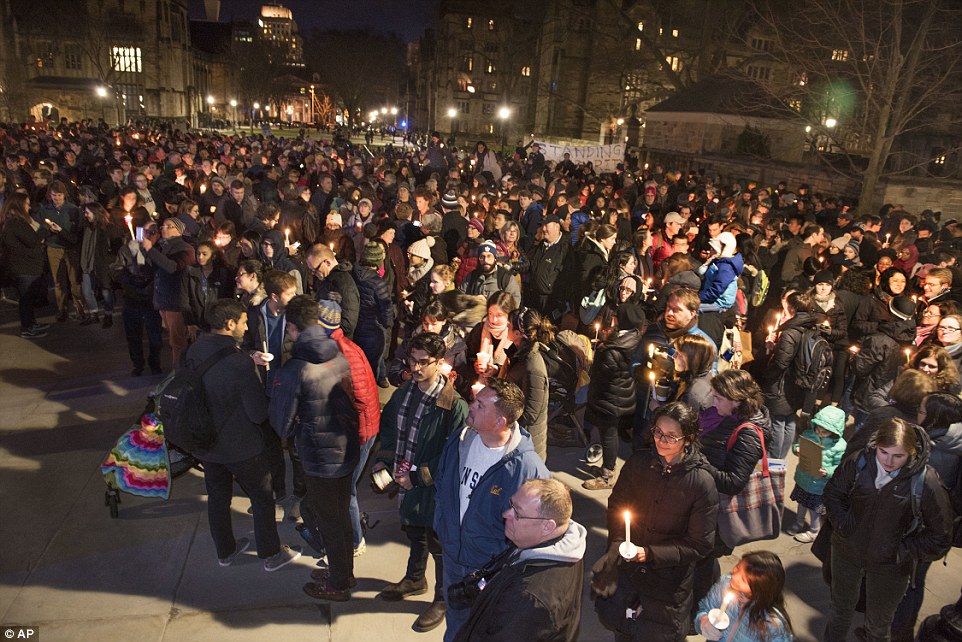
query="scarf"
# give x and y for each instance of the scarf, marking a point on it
(825, 303)
(408, 422)
(674, 334)
(415, 274)
(490, 334)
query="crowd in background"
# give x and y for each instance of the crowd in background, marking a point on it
(692, 321)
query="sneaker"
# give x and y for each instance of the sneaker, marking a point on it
(40, 326)
(326, 592)
(383, 383)
(593, 454)
(431, 618)
(603, 482)
(405, 588)
(806, 537)
(321, 575)
(281, 559)
(89, 319)
(794, 529)
(31, 333)
(240, 546)
(360, 549)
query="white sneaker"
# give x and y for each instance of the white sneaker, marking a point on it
(241, 545)
(282, 558)
(361, 548)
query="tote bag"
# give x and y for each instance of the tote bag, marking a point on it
(756, 512)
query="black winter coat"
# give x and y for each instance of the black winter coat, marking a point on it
(611, 393)
(732, 468)
(527, 369)
(171, 258)
(23, 253)
(872, 524)
(340, 280)
(375, 312)
(872, 312)
(877, 364)
(313, 403)
(673, 511)
(219, 285)
(782, 396)
(838, 336)
(588, 268)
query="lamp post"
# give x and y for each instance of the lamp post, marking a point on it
(453, 114)
(504, 113)
(101, 94)
(210, 111)
(233, 109)
(256, 107)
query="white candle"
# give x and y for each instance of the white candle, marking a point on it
(651, 350)
(130, 226)
(597, 330)
(287, 237)
(267, 366)
(908, 356)
(627, 526)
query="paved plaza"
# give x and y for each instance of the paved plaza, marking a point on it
(152, 574)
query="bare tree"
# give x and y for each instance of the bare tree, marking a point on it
(866, 77)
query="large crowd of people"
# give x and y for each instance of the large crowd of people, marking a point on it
(701, 325)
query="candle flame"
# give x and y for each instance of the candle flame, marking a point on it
(729, 596)
(651, 376)
(627, 515)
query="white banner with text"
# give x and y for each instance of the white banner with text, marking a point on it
(602, 157)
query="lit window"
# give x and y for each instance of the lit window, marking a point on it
(661, 31)
(491, 128)
(490, 68)
(637, 44)
(641, 26)
(674, 62)
(839, 55)
(490, 25)
(526, 72)
(126, 59)
(470, 22)
(939, 160)
(795, 104)
(674, 33)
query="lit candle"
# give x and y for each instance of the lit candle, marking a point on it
(887, 237)
(203, 187)
(627, 549)
(597, 330)
(908, 356)
(287, 236)
(445, 368)
(718, 618)
(778, 320)
(267, 366)
(915, 298)
(130, 225)
(651, 350)
(651, 384)
(853, 349)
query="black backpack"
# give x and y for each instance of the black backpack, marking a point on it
(812, 365)
(183, 406)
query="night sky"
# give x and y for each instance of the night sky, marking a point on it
(408, 18)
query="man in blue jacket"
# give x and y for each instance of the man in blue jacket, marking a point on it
(481, 467)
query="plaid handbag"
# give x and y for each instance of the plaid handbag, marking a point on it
(755, 513)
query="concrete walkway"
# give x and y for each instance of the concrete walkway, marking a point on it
(152, 574)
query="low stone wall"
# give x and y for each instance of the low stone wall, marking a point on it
(917, 194)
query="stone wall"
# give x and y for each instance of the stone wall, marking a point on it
(916, 194)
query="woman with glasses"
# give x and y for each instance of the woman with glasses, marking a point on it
(949, 336)
(667, 494)
(737, 402)
(931, 315)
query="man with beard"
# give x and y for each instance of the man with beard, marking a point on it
(331, 275)
(489, 276)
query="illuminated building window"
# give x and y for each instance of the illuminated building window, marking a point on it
(126, 59)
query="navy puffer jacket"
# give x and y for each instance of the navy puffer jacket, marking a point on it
(313, 403)
(611, 393)
(375, 312)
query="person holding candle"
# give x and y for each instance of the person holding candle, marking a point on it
(170, 256)
(873, 311)
(751, 600)
(880, 359)
(611, 392)
(95, 259)
(665, 504)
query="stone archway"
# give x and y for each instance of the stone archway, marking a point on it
(44, 111)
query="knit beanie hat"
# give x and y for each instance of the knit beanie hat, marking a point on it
(477, 224)
(824, 276)
(831, 418)
(489, 246)
(422, 247)
(335, 217)
(373, 254)
(902, 307)
(176, 222)
(330, 315)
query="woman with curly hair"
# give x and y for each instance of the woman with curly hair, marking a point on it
(936, 362)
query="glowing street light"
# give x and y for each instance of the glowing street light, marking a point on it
(504, 113)
(452, 112)
(210, 100)
(808, 129)
(394, 111)
(101, 92)
(233, 103)
(257, 105)
(383, 110)
(830, 122)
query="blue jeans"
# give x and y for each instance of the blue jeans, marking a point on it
(354, 508)
(454, 618)
(783, 435)
(90, 297)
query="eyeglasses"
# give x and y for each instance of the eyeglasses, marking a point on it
(930, 313)
(168, 226)
(418, 365)
(518, 515)
(949, 329)
(240, 274)
(665, 438)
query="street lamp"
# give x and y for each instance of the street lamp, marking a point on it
(233, 108)
(830, 122)
(452, 114)
(101, 92)
(256, 107)
(504, 113)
